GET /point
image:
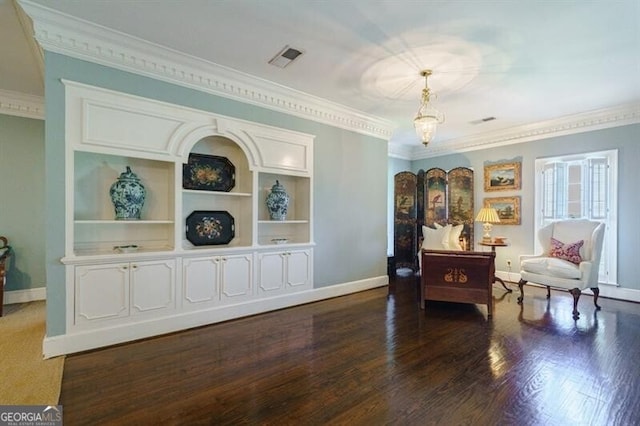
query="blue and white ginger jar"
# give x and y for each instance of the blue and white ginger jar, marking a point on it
(127, 195)
(277, 202)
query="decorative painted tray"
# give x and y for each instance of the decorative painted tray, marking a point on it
(208, 173)
(210, 227)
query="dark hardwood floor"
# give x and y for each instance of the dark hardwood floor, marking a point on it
(375, 358)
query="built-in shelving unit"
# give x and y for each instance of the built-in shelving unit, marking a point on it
(95, 229)
(237, 201)
(167, 282)
(296, 227)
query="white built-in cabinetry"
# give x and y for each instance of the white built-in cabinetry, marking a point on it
(211, 280)
(168, 283)
(115, 290)
(282, 271)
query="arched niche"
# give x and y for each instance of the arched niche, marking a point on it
(221, 146)
(217, 132)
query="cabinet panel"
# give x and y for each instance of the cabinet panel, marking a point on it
(137, 130)
(271, 274)
(236, 277)
(152, 286)
(201, 281)
(287, 155)
(280, 271)
(298, 268)
(102, 292)
(102, 119)
(208, 280)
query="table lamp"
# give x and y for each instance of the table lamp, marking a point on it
(488, 216)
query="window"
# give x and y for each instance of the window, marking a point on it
(581, 186)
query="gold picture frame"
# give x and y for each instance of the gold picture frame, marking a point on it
(508, 209)
(503, 176)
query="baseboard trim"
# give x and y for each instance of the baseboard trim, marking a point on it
(121, 333)
(609, 291)
(614, 292)
(24, 296)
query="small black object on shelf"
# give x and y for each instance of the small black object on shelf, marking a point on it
(208, 173)
(210, 227)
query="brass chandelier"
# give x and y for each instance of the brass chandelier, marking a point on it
(427, 118)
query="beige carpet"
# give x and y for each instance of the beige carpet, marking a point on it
(25, 377)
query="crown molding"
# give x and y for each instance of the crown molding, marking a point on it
(27, 28)
(21, 105)
(568, 125)
(70, 36)
(400, 151)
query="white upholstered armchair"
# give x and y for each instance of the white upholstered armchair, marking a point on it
(570, 259)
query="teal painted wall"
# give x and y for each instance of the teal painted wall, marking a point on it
(350, 202)
(522, 236)
(350, 185)
(22, 217)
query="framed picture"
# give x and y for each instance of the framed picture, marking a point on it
(502, 177)
(508, 209)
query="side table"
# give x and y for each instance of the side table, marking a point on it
(493, 246)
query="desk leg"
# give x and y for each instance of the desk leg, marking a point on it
(502, 282)
(493, 249)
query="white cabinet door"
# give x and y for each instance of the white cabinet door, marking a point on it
(101, 292)
(298, 268)
(271, 273)
(153, 285)
(209, 280)
(280, 271)
(201, 282)
(118, 290)
(236, 277)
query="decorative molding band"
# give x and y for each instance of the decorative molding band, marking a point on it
(21, 105)
(70, 36)
(572, 124)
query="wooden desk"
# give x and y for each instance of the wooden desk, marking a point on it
(457, 276)
(493, 249)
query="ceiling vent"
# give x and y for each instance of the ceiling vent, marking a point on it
(482, 120)
(285, 57)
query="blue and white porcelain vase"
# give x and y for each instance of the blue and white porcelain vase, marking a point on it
(277, 202)
(127, 195)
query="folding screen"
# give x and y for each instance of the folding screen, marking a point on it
(434, 196)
